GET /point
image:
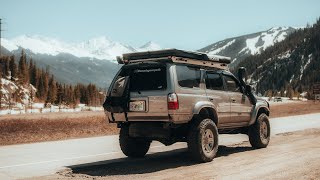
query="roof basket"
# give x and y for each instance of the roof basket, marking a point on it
(176, 56)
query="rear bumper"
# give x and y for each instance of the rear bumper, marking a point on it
(140, 117)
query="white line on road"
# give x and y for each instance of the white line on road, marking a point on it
(71, 158)
(43, 162)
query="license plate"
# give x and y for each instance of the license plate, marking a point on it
(137, 106)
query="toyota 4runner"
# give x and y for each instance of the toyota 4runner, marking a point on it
(180, 96)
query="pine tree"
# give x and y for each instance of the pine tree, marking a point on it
(45, 83)
(59, 94)
(23, 69)
(34, 75)
(6, 66)
(1, 94)
(77, 94)
(52, 93)
(30, 72)
(13, 68)
(40, 86)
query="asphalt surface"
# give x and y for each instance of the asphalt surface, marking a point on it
(47, 158)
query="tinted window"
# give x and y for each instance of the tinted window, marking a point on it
(188, 76)
(214, 81)
(146, 79)
(232, 84)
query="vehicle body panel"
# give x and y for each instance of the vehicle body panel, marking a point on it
(233, 109)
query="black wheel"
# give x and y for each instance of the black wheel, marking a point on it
(259, 132)
(133, 147)
(203, 140)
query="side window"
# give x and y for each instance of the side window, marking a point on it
(188, 76)
(232, 84)
(214, 81)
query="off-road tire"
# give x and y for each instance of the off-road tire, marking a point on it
(196, 140)
(259, 132)
(133, 147)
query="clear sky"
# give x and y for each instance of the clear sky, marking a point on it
(186, 24)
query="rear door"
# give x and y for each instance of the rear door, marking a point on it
(148, 93)
(217, 94)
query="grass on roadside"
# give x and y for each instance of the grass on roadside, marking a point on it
(50, 127)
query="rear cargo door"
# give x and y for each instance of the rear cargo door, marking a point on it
(217, 94)
(148, 93)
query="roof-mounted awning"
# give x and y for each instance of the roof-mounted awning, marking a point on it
(176, 56)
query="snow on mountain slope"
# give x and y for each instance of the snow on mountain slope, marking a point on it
(241, 47)
(149, 46)
(218, 50)
(103, 48)
(99, 48)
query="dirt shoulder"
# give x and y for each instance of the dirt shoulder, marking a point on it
(28, 128)
(296, 108)
(31, 128)
(293, 155)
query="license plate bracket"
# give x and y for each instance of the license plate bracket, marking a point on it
(137, 106)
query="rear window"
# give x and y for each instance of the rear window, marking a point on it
(147, 79)
(188, 76)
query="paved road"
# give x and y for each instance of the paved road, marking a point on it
(39, 159)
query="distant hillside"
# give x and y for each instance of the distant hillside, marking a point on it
(24, 83)
(290, 66)
(238, 48)
(91, 61)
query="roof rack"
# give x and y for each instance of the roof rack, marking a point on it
(176, 56)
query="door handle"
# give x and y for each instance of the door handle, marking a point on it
(211, 99)
(233, 100)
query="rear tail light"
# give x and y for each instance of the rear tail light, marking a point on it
(173, 102)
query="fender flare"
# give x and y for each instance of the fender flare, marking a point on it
(205, 104)
(259, 106)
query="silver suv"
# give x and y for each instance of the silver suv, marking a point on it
(180, 96)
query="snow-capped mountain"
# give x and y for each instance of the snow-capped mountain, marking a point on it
(289, 67)
(99, 48)
(241, 47)
(149, 46)
(104, 48)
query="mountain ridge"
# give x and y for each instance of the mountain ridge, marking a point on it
(240, 47)
(70, 68)
(287, 68)
(99, 47)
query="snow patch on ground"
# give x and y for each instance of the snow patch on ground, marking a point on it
(284, 100)
(16, 99)
(12, 92)
(48, 110)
